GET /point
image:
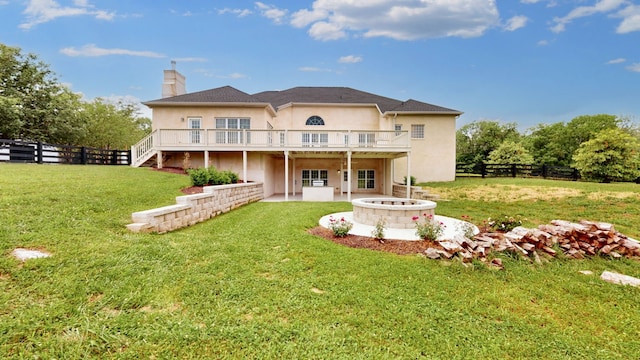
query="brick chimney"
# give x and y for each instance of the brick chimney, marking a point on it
(174, 82)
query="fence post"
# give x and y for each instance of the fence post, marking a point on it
(39, 150)
(574, 176)
(83, 155)
(129, 157)
(513, 170)
(114, 157)
(483, 169)
(544, 171)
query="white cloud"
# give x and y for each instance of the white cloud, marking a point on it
(190, 59)
(4, 2)
(42, 11)
(516, 23)
(635, 67)
(631, 19)
(602, 6)
(91, 50)
(405, 20)
(305, 17)
(616, 61)
(272, 12)
(543, 42)
(209, 73)
(238, 12)
(350, 59)
(551, 3)
(313, 69)
(326, 31)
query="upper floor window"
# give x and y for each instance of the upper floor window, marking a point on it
(315, 120)
(398, 129)
(233, 130)
(417, 131)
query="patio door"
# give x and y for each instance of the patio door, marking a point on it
(345, 180)
(195, 123)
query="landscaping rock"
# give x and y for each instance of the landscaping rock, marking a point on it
(616, 278)
(26, 254)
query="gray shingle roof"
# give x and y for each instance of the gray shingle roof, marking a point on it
(308, 95)
(225, 94)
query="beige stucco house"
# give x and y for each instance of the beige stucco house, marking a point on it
(336, 137)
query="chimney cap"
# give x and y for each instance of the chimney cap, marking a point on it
(173, 64)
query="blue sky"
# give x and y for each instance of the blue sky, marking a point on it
(522, 61)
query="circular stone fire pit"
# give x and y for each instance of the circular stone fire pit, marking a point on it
(396, 213)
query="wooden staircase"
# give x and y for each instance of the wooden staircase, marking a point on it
(143, 151)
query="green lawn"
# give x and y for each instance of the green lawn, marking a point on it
(253, 284)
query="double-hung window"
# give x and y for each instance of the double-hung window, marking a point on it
(366, 179)
(234, 130)
(398, 129)
(309, 175)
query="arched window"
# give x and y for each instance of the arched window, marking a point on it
(315, 120)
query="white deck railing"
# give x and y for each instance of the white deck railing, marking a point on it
(246, 138)
(250, 139)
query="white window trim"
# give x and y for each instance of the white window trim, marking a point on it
(417, 131)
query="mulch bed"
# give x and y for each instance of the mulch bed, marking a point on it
(176, 170)
(400, 247)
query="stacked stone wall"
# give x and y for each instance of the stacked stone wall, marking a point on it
(192, 209)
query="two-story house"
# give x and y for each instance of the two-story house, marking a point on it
(338, 137)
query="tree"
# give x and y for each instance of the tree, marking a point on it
(112, 126)
(545, 145)
(510, 152)
(34, 106)
(612, 155)
(476, 140)
(556, 144)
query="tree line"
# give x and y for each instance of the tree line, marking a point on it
(35, 106)
(602, 147)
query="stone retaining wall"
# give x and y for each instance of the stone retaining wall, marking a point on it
(417, 192)
(400, 191)
(192, 209)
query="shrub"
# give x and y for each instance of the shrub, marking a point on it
(199, 176)
(378, 231)
(413, 180)
(233, 177)
(340, 227)
(504, 222)
(428, 228)
(466, 227)
(218, 177)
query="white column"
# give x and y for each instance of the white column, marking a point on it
(206, 159)
(286, 175)
(244, 166)
(159, 159)
(293, 173)
(349, 175)
(408, 175)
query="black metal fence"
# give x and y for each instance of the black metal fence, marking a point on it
(43, 153)
(518, 170)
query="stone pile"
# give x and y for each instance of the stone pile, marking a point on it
(574, 240)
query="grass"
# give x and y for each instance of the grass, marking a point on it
(253, 284)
